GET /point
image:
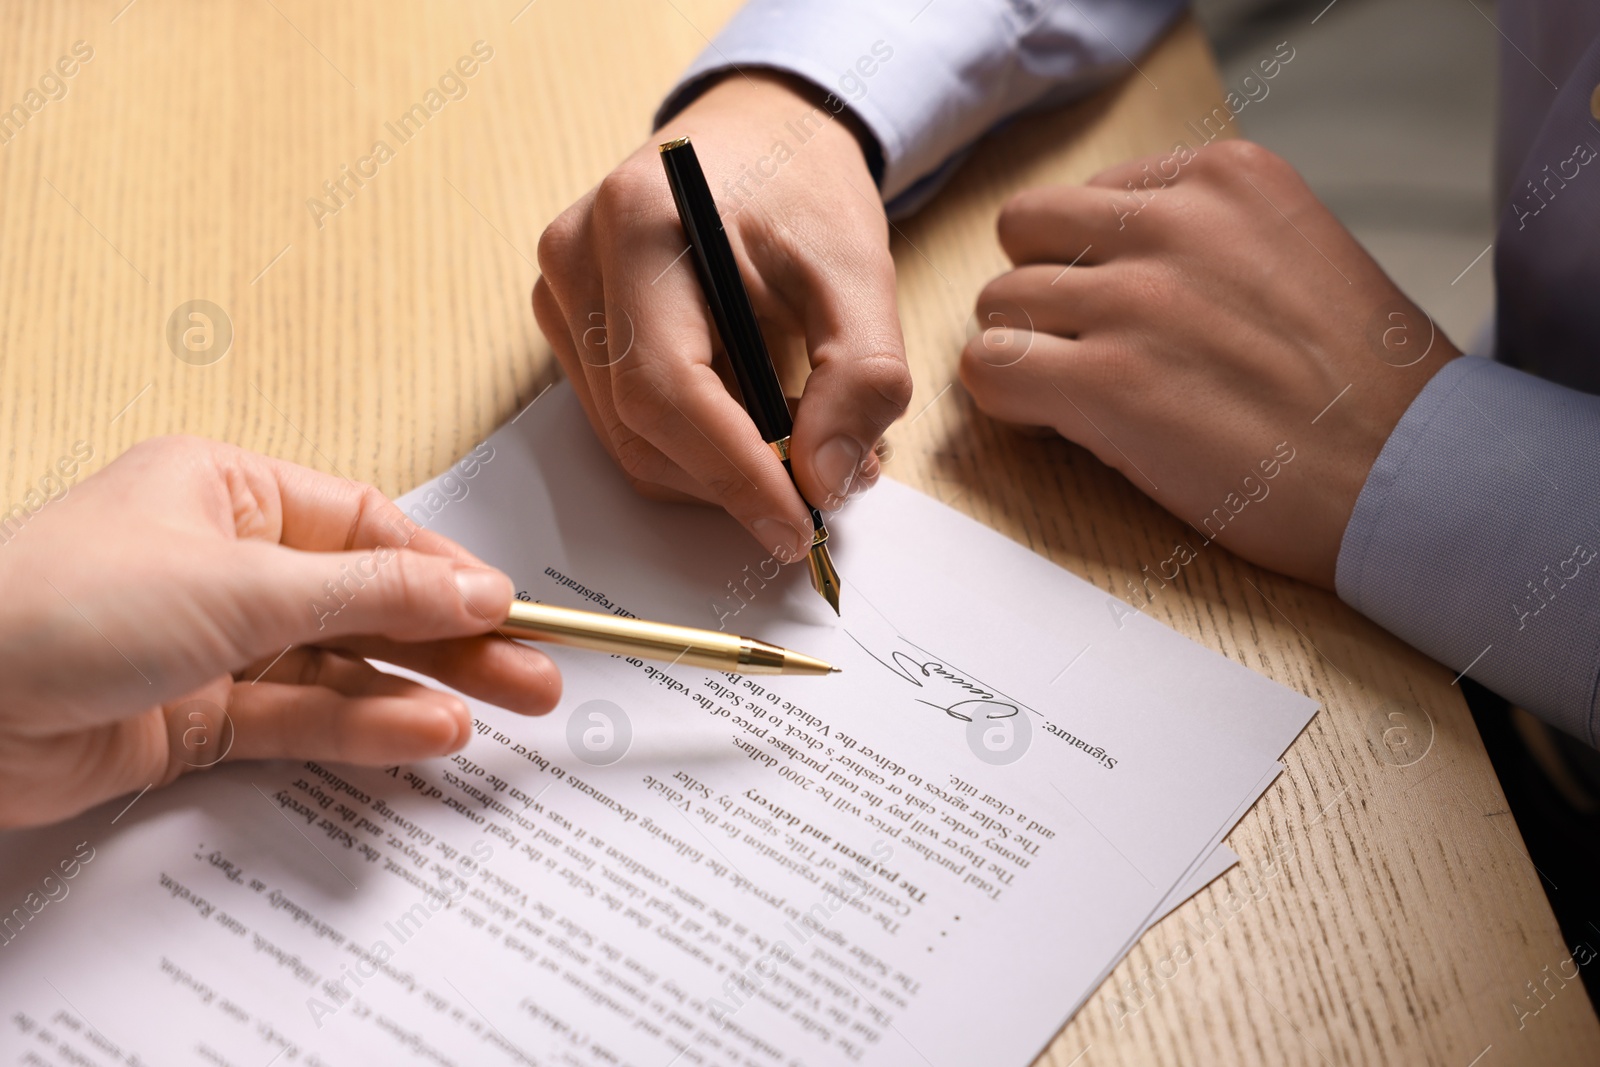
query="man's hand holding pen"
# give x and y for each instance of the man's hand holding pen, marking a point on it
(620, 302)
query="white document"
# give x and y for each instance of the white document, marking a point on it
(930, 858)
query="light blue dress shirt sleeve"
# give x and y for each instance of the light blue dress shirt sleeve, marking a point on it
(929, 77)
(1477, 537)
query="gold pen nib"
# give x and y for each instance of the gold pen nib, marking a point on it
(824, 579)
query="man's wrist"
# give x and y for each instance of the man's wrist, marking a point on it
(759, 88)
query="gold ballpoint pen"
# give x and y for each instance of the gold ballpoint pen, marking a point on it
(655, 640)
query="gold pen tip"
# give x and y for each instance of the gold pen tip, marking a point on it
(676, 142)
(824, 579)
(836, 670)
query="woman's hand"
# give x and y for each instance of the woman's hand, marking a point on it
(194, 603)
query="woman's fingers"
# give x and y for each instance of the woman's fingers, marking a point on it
(394, 721)
(276, 597)
(494, 669)
(301, 508)
(350, 675)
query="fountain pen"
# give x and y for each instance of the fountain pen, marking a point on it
(724, 290)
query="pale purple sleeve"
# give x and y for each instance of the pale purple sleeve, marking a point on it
(929, 77)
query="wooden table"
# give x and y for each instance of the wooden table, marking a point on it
(1385, 911)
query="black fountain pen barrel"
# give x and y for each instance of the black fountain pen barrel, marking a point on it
(720, 280)
(723, 286)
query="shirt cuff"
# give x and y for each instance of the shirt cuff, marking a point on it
(1474, 538)
(928, 80)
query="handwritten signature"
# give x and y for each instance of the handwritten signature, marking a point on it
(935, 673)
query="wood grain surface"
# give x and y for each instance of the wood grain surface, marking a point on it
(1383, 913)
